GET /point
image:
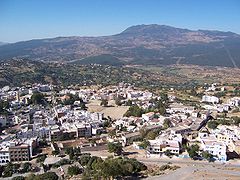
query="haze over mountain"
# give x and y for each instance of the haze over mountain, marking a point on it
(141, 44)
(3, 43)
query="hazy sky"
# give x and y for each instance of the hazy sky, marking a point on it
(30, 19)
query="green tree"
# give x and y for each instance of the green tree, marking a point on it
(93, 162)
(164, 97)
(143, 133)
(83, 105)
(151, 135)
(47, 176)
(56, 152)
(144, 144)
(37, 98)
(112, 133)
(84, 159)
(30, 177)
(97, 163)
(9, 169)
(27, 166)
(118, 101)
(236, 120)
(212, 124)
(73, 152)
(168, 153)
(18, 178)
(104, 102)
(70, 152)
(4, 105)
(129, 103)
(43, 143)
(207, 155)
(72, 98)
(167, 123)
(74, 170)
(160, 105)
(115, 148)
(193, 92)
(112, 168)
(193, 150)
(134, 110)
(162, 110)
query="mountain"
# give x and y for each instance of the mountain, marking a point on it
(137, 45)
(2, 43)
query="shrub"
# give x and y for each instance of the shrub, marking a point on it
(193, 150)
(27, 166)
(212, 124)
(164, 167)
(84, 159)
(115, 148)
(74, 170)
(207, 155)
(18, 178)
(47, 176)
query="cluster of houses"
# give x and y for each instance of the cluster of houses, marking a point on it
(31, 123)
(123, 90)
(59, 122)
(185, 122)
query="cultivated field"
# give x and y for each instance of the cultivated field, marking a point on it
(199, 74)
(112, 110)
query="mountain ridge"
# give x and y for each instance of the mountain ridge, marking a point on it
(2, 43)
(140, 44)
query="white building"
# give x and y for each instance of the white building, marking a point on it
(235, 101)
(223, 107)
(159, 146)
(4, 154)
(3, 121)
(210, 144)
(148, 116)
(35, 131)
(210, 99)
(178, 107)
(96, 116)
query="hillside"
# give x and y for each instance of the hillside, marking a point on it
(19, 72)
(141, 44)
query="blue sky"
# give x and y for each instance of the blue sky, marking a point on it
(31, 19)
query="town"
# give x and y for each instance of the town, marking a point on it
(44, 123)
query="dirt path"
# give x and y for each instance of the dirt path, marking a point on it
(230, 57)
(195, 169)
(189, 172)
